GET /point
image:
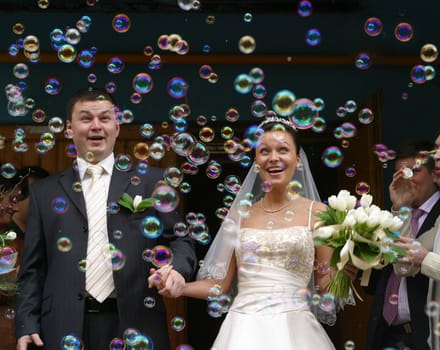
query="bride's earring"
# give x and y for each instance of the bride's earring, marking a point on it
(299, 166)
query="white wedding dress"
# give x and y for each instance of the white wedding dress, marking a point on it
(270, 310)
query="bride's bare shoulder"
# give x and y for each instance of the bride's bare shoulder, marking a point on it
(316, 206)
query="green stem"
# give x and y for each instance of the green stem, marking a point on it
(339, 285)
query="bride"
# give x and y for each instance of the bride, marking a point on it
(265, 249)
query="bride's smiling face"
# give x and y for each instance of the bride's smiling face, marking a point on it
(277, 156)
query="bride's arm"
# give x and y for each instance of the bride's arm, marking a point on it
(202, 289)
(323, 254)
(323, 272)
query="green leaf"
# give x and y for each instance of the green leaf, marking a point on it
(127, 205)
(400, 251)
(126, 198)
(390, 257)
(145, 204)
(393, 235)
(367, 255)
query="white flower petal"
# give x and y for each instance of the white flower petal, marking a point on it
(366, 200)
(136, 201)
(324, 232)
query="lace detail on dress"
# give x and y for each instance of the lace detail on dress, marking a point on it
(289, 248)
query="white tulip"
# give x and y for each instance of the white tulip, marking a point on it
(395, 224)
(366, 200)
(374, 216)
(343, 193)
(349, 220)
(373, 208)
(361, 216)
(359, 211)
(385, 217)
(351, 202)
(136, 201)
(324, 232)
(372, 220)
(337, 203)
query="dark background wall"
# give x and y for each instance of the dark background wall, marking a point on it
(276, 33)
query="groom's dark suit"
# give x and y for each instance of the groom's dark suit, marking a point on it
(52, 282)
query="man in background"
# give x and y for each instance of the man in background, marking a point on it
(29, 174)
(398, 317)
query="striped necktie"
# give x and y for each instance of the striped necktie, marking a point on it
(99, 273)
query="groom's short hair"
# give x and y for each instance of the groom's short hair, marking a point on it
(88, 94)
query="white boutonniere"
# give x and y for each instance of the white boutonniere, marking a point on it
(136, 204)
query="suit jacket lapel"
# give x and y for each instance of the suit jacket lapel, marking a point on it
(67, 180)
(430, 218)
(119, 182)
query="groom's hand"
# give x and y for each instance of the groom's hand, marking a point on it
(173, 285)
(25, 340)
(168, 281)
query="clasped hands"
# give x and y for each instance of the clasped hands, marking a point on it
(168, 281)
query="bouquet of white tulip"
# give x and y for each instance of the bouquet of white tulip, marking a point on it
(362, 236)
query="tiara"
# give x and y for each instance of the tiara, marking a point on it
(275, 119)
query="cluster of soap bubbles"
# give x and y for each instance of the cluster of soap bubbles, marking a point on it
(383, 153)
(174, 43)
(18, 143)
(305, 298)
(218, 302)
(403, 32)
(18, 104)
(194, 226)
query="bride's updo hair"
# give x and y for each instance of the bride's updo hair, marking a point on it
(280, 124)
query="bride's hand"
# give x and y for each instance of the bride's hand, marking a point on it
(168, 281)
(158, 277)
(351, 271)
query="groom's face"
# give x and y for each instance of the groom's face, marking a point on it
(94, 129)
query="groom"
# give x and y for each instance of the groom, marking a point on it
(56, 303)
